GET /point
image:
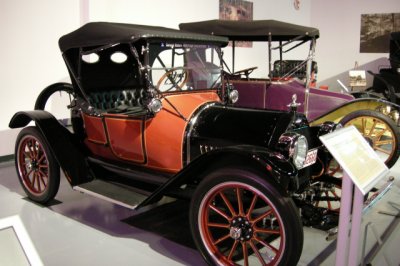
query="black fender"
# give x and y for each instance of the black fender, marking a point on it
(282, 171)
(49, 90)
(67, 150)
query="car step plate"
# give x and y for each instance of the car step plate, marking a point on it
(114, 193)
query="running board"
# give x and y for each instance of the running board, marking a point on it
(118, 194)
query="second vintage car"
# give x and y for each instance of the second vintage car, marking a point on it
(152, 117)
(376, 119)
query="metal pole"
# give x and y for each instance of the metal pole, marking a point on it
(233, 56)
(344, 220)
(269, 56)
(355, 226)
(308, 75)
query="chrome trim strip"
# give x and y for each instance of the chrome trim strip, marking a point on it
(191, 125)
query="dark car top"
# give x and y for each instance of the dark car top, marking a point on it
(256, 30)
(104, 33)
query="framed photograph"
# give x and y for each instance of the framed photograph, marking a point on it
(375, 31)
(357, 78)
(236, 10)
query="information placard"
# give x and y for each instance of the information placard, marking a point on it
(356, 157)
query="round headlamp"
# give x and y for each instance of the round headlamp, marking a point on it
(155, 105)
(295, 146)
(233, 96)
(300, 151)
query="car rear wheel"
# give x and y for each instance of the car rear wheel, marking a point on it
(37, 169)
(239, 218)
(379, 131)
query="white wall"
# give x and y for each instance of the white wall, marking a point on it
(31, 60)
(339, 23)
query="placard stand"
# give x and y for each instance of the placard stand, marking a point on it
(347, 210)
(362, 169)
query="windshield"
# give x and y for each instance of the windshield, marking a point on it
(183, 66)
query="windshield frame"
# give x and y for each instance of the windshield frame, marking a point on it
(180, 60)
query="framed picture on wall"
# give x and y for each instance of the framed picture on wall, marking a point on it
(357, 78)
(375, 31)
(236, 10)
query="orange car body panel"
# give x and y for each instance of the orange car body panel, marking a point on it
(155, 142)
(165, 132)
(126, 138)
(95, 129)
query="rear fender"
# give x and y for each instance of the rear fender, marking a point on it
(273, 164)
(338, 113)
(67, 150)
(49, 90)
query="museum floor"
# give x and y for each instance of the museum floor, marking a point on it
(78, 229)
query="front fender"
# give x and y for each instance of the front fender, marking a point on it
(67, 150)
(273, 164)
(338, 113)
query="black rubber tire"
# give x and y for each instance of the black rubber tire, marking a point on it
(46, 175)
(249, 181)
(394, 156)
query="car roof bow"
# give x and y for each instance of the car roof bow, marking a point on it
(256, 30)
(108, 33)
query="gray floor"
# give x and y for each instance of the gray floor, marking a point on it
(78, 229)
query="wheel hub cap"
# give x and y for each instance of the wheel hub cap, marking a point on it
(33, 165)
(241, 229)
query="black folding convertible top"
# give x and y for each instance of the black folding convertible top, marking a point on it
(104, 33)
(256, 30)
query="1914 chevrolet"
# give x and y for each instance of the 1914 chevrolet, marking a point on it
(152, 117)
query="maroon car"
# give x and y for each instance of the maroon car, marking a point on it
(375, 118)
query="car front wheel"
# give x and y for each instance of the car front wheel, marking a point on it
(237, 217)
(37, 169)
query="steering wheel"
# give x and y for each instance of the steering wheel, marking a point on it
(246, 71)
(173, 78)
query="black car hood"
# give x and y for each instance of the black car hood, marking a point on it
(235, 126)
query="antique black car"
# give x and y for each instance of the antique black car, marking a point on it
(152, 117)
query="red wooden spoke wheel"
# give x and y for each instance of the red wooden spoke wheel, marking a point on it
(330, 193)
(36, 167)
(237, 220)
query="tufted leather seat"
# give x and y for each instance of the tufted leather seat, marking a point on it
(105, 100)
